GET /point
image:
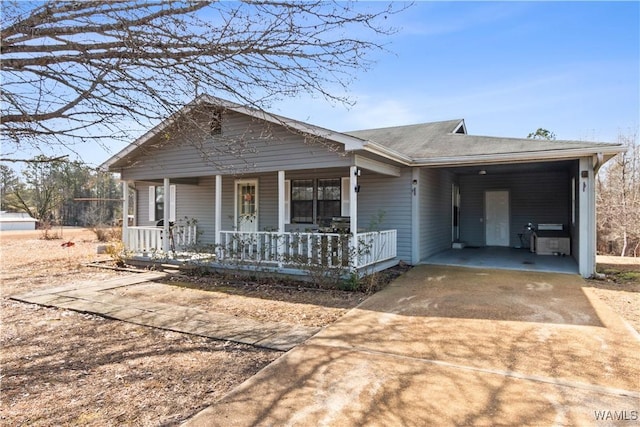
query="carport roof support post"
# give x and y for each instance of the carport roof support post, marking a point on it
(587, 218)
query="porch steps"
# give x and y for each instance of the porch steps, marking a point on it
(89, 297)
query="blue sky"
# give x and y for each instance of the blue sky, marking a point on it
(507, 68)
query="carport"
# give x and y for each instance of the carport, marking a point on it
(481, 191)
(531, 212)
(499, 212)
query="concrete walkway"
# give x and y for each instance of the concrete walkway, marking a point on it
(451, 346)
(89, 297)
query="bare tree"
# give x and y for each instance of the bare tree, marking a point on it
(76, 71)
(8, 181)
(41, 194)
(618, 203)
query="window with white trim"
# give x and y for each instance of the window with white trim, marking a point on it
(157, 202)
(329, 201)
(310, 201)
(302, 201)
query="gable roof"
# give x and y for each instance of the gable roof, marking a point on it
(447, 143)
(443, 143)
(350, 143)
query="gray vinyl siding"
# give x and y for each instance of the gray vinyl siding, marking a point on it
(268, 208)
(246, 146)
(384, 203)
(533, 197)
(193, 202)
(435, 210)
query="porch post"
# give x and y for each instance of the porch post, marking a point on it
(415, 216)
(166, 215)
(281, 197)
(218, 209)
(353, 213)
(125, 214)
(587, 219)
(281, 216)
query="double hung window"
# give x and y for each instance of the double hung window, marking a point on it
(328, 198)
(159, 202)
(313, 200)
(302, 201)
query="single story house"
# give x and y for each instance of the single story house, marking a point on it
(233, 184)
(16, 221)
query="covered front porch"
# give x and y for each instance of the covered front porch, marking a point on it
(279, 221)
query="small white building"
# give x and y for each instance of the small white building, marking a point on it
(16, 221)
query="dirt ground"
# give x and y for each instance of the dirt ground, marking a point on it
(65, 368)
(620, 286)
(60, 367)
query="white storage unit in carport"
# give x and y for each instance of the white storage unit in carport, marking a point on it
(551, 239)
(16, 221)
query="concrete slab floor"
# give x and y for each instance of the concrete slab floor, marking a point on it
(504, 258)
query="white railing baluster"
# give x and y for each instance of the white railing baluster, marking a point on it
(149, 239)
(328, 249)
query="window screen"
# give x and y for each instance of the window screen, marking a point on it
(302, 201)
(328, 198)
(159, 202)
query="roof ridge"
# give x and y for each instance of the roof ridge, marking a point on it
(404, 126)
(551, 141)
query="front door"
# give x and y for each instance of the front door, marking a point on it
(246, 196)
(497, 218)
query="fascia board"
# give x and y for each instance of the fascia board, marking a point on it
(376, 166)
(387, 153)
(517, 157)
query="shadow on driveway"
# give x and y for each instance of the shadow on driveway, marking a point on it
(453, 347)
(471, 293)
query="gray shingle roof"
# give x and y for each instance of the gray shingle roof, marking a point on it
(435, 143)
(436, 140)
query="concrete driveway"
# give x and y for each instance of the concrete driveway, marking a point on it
(454, 346)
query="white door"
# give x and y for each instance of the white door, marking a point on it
(497, 218)
(246, 196)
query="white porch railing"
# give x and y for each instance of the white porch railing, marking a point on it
(299, 249)
(376, 246)
(149, 239)
(290, 249)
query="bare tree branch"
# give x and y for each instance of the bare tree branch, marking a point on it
(618, 201)
(73, 72)
(39, 159)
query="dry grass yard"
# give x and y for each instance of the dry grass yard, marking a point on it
(61, 367)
